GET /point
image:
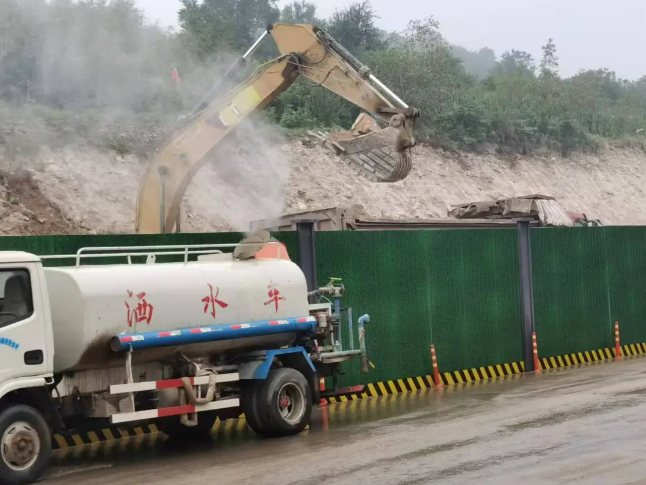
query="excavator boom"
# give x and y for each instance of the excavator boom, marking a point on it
(381, 155)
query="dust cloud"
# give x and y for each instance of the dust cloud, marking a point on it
(246, 178)
(104, 81)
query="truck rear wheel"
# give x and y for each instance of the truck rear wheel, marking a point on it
(25, 445)
(284, 403)
(250, 401)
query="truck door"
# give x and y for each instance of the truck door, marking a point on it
(23, 331)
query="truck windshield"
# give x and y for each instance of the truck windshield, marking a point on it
(15, 296)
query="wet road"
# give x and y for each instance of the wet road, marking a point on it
(585, 425)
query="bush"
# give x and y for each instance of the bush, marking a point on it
(102, 56)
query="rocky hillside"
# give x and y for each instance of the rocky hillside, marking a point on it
(77, 185)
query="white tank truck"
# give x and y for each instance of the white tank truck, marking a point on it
(181, 343)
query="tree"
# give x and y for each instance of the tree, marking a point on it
(514, 61)
(550, 61)
(422, 35)
(354, 27)
(480, 63)
(603, 80)
(21, 39)
(215, 26)
(299, 13)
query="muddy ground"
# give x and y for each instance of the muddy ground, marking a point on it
(583, 425)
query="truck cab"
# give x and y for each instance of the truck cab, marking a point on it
(26, 366)
(26, 338)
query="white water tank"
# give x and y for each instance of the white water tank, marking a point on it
(92, 304)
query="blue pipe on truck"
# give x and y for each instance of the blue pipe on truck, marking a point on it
(212, 333)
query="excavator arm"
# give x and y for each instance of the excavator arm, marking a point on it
(381, 155)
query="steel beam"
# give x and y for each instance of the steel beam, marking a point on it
(305, 230)
(526, 290)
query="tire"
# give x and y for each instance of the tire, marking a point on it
(23, 427)
(284, 403)
(249, 400)
(175, 430)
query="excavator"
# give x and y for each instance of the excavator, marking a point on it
(378, 154)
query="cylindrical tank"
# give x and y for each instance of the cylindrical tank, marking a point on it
(92, 304)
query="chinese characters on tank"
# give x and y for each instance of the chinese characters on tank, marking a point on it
(139, 310)
(274, 295)
(211, 301)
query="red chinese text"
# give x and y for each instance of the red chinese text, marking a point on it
(274, 294)
(211, 301)
(139, 310)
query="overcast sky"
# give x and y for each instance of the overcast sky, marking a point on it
(587, 33)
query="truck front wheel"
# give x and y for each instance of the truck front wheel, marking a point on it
(25, 445)
(284, 403)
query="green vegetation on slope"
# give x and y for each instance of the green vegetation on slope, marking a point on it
(103, 55)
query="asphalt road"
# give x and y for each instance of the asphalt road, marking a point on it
(584, 425)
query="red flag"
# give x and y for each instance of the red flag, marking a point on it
(175, 76)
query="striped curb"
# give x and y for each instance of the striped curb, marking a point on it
(600, 355)
(480, 375)
(228, 428)
(485, 374)
(112, 433)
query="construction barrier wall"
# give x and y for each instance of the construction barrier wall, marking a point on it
(584, 281)
(457, 289)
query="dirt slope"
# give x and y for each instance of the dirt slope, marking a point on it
(79, 188)
(25, 210)
(608, 186)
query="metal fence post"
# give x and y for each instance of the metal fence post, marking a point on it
(307, 251)
(526, 290)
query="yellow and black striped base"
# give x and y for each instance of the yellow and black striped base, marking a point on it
(600, 355)
(483, 374)
(100, 435)
(228, 428)
(409, 384)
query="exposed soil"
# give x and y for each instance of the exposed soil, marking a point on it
(25, 210)
(80, 186)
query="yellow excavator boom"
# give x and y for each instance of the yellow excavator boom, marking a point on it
(381, 155)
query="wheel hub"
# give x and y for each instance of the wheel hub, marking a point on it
(291, 403)
(20, 446)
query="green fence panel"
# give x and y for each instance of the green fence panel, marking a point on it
(386, 276)
(474, 301)
(455, 289)
(570, 290)
(626, 258)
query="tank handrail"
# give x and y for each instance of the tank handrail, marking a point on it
(175, 246)
(78, 257)
(184, 247)
(186, 250)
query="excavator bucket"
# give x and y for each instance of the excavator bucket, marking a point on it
(380, 155)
